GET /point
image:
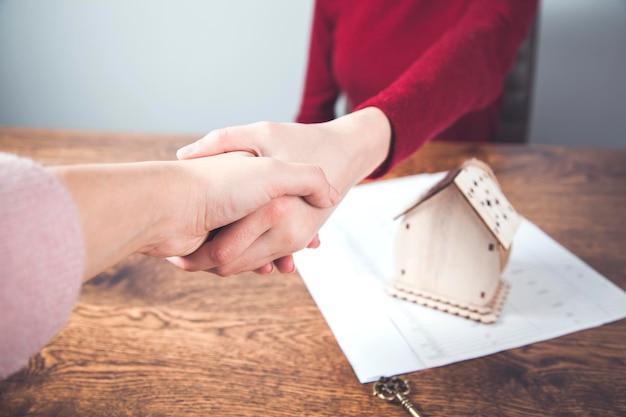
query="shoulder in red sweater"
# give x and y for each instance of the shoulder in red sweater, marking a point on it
(436, 69)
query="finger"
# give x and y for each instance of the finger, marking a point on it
(285, 265)
(256, 258)
(315, 243)
(226, 246)
(219, 141)
(183, 263)
(308, 181)
(268, 268)
(284, 238)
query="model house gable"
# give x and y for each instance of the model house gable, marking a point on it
(477, 183)
(480, 189)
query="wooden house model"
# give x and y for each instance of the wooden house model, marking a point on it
(453, 244)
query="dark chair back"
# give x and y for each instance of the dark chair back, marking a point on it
(517, 95)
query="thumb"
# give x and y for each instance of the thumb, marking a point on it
(307, 181)
(219, 141)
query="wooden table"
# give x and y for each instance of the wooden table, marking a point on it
(148, 339)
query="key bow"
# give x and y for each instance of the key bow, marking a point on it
(388, 388)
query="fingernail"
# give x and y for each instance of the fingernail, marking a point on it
(185, 150)
(335, 197)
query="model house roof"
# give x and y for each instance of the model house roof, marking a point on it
(478, 184)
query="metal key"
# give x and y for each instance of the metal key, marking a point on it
(394, 389)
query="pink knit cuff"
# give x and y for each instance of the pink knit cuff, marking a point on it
(42, 261)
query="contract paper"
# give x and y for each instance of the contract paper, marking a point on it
(553, 292)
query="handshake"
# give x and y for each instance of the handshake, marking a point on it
(240, 199)
(249, 211)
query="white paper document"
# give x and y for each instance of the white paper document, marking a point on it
(553, 292)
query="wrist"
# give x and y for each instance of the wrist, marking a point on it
(162, 198)
(363, 145)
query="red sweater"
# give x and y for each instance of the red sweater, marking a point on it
(435, 68)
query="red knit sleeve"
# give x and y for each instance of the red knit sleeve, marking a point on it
(320, 88)
(462, 72)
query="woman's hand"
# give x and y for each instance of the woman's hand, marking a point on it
(347, 149)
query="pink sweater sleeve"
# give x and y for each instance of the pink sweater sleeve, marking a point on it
(42, 261)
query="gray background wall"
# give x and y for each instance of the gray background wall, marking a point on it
(151, 65)
(190, 66)
(580, 85)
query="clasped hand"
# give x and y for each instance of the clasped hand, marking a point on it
(265, 237)
(347, 149)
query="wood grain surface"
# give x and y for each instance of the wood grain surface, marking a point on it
(146, 339)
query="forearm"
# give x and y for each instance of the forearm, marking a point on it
(117, 204)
